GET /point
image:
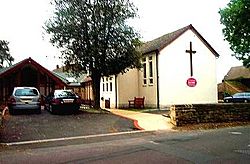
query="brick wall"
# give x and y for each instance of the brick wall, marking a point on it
(209, 113)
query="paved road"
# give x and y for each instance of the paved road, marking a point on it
(28, 126)
(229, 145)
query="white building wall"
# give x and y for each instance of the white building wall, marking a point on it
(148, 90)
(174, 70)
(127, 87)
(107, 91)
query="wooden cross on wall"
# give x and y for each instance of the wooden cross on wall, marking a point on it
(191, 52)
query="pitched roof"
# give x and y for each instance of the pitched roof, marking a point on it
(61, 76)
(11, 69)
(67, 78)
(237, 73)
(163, 41)
(5, 69)
(65, 75)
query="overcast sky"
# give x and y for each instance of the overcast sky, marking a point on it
(22, 21)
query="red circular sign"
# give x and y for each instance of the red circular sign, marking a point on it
(191, 82)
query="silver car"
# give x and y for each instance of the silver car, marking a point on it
(24, 98)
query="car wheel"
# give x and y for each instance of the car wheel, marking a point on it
(11, 111)
(245, 101)
(226, 101)
(77, 110)
(51, 109)
(38, 111)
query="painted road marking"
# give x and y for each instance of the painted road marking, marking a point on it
(73, 138)
(155, 143)
(236, 133)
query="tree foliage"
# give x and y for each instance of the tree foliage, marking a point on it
(95, 37)
(236, 19)
(5, 56)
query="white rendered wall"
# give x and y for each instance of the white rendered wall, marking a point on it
(174, 70)
(107, 94)
(149, 90)
(127, 87)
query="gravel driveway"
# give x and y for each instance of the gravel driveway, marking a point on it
(26, 127)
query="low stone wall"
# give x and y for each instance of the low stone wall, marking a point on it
(209, 113)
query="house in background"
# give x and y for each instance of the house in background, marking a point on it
(178, 68)
(236, 80)
(81, 85)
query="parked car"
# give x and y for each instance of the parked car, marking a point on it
(24, 98)
(62, 100)
(238, 98)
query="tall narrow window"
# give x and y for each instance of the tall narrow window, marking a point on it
(103, 87)
(107, 87)
(150, 62)
(110, 87)
(144, 71)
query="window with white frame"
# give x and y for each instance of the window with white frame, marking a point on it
(110, 87)
(107, 86)
(150, 63)
(103, 85)
(144, 71)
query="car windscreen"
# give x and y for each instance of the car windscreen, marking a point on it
(26, 92)
(61, 94)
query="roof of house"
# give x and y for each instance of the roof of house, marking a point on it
(68, 77)
(163, 41)
(12, 68)
(238, 72)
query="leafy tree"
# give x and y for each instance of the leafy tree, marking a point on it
(236, 19)
(5, 54)
(95, 37)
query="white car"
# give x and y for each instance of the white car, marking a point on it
(24, 98)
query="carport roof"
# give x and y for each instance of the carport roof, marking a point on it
(7, 71)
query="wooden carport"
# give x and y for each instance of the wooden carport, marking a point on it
(28, 73)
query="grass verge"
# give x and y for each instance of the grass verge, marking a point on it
(94, 111)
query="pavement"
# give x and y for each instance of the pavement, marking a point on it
(145, 121)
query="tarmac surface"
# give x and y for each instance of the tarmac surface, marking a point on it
(29, 126)
(25, 127)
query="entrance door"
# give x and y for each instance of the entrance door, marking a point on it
(107, 103)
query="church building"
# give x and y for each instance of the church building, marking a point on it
(177, 68)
